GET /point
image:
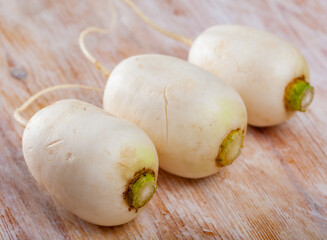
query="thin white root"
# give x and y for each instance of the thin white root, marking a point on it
(86, 52)
(23, 121)
(145, 19)
(84, 49)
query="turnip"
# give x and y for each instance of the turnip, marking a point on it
(196, 122)
(269, 73)
(101, 168)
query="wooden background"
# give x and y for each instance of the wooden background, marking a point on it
(277, 189)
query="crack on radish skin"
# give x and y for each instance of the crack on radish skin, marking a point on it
(123, 165)
(166, 111)
(54, 143)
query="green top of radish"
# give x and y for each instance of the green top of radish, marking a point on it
(298, 95)
(141, 189)
(231, 148)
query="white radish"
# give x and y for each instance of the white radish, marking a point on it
(101, 168)
(269, 73)
(196, 122)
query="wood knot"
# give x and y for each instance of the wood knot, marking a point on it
(18, 72)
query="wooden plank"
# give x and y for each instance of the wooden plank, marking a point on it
(276, 190)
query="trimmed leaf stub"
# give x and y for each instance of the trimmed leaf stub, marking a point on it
(298, 95)
(141, 189)
(230, 148)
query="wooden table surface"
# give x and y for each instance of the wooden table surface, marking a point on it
(277, 189)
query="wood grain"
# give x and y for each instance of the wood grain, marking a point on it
(277, 189)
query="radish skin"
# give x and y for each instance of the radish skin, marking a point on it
(269, 73)
(259, 65)
(90, 161)
(187, 112)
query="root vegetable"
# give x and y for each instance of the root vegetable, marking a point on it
(269, 73)
(101, 168)
(196, 122)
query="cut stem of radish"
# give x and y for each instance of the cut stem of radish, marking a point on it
(231, 148)
(298, 95)
(141, 189)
